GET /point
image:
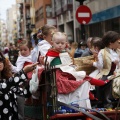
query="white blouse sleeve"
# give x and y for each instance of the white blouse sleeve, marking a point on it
(44, 49)
(20, 62)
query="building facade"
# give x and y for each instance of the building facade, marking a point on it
(62, 10)
(105, 17)
(3, 34)
(43, 13)
(12, 24)
(62, 14)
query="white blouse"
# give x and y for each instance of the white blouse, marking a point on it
(113, 55)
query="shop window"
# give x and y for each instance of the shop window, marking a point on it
(115, 25)
(96, 30)
(112, 24)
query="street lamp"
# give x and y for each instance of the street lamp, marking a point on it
(82, 25)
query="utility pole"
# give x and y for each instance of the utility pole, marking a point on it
(82, 25)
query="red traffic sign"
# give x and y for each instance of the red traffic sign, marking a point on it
(83, 14)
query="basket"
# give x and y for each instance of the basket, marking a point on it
(81, 66)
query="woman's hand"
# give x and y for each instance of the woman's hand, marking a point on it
(116, 62)
(29, 68)
(95, 56)
(95, 53)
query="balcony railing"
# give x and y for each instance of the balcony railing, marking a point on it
(64, 6)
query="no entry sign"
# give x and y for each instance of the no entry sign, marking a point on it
(83, 14)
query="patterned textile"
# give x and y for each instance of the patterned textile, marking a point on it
(8, 100)
(66, 83)
(116, 85)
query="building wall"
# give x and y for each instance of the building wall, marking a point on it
(10, 24)
(3, 33)
(40, 11)
(64, 16)
(66, 19)
(100, 5)
(105, 17)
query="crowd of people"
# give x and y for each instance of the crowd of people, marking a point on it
(74, 85)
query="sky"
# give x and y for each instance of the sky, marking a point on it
(4, 5)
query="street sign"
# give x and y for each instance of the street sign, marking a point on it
(83, 14)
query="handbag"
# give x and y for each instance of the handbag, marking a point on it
(34, 82)
(116, 85)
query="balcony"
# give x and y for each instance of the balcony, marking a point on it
(59, 11)
(63, 7)
(67, 7)
(21, 8)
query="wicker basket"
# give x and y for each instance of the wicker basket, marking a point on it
(79, 62)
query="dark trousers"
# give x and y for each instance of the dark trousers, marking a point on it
(104, 93)
(21, 104)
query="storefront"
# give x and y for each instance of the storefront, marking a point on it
(103, 21)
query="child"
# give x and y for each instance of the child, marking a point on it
(108, 62)
(72, 85)
(24, 58)
(42, 48)
(45, 44)
(9, 87)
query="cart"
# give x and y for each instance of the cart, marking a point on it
(51, 107)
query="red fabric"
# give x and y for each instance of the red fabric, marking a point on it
(91, 96)
(6, 51)
(66, 83)
(19, 41)
(52, 53)
(96, 82)
(40, 70)
(29, 74)
(113, 67)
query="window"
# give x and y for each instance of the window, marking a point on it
(48, 11)
(96, 29)
(112, 24)
(70, 1)
(39, 14)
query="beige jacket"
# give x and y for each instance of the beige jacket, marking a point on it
(106, 63)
